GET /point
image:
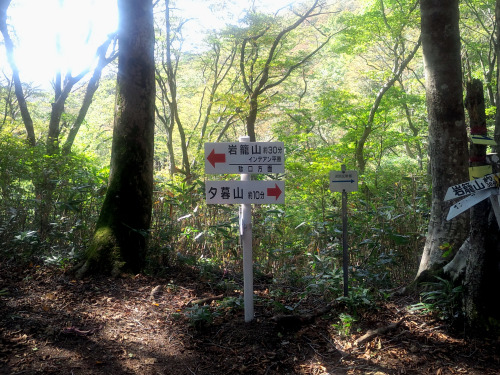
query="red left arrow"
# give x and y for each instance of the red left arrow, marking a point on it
(216, 158)
(274, 192)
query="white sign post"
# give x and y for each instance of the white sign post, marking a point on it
(245, 158)
(245, 192)
(345, 182)
(246, 242)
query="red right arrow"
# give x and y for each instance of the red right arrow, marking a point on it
(274, 192)
(216, 158)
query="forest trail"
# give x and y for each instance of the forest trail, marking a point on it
(51, 323)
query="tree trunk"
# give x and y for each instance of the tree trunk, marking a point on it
(482, 280)
(496, 134)
(398, 70)
(9, 48)
(256, 82)
(447, 130)
(481, 269)
(252, 117)
(92, 87)
(120, 240)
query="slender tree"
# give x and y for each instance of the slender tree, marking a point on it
(63, 87)
(168, 92)
(261, 75)
(120, 239)
(9, 47)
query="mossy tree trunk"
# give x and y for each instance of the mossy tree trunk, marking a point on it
(120, 240)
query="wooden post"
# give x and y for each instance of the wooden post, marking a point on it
(246, 242)
(345, 253)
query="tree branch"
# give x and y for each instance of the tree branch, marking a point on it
(18, 89)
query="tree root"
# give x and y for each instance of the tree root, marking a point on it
(202, 301)
(372, 333)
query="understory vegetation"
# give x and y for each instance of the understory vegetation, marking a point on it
(345, 87)
(298, 244)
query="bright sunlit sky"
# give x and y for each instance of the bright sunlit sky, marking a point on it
(83, 25)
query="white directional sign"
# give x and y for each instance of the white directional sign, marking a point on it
(344, 181)
(467, 188)
(466, 203)
(245, 192)
(244, 157)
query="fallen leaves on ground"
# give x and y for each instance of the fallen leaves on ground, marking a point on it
(51, 323)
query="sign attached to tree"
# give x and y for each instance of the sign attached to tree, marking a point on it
(244, 157)
(470, 187)
(481, 139)
(466, 203)
(479, 171)
(473, 192)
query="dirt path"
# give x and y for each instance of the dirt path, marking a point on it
(51, 323)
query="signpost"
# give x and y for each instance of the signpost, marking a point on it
(245, 192)
(345, 182)
(245, 158)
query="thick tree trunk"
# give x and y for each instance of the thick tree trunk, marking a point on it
(447, 130)
(481, 268)
(119, 243)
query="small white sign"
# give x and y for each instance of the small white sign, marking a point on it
(245, 192)
(466, 203)
(344, 181)
(467, 188)
(244, 157)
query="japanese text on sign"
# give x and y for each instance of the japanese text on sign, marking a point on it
(346, 175)
(254, 149)
(344, 181)
(470, 187)
(244, 158)
(245, 192)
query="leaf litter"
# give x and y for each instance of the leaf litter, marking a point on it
(51, 323)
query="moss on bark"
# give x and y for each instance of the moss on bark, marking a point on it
(120, 240)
